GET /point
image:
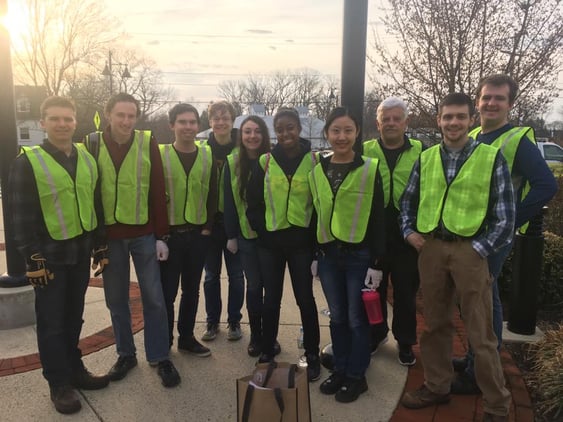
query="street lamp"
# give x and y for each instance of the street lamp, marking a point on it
(108, 71)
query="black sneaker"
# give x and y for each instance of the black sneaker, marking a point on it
(464, 384)
(65, 399)
(351, 390)
(406, 355)
(459, 364)
(168, 373)
(313, 367)
(234, 333)
(333, 383)
(254, 347)
(210, 332)
(277, 348)
(123, 365)
(264, 358)
(194, 347)
(85, 380)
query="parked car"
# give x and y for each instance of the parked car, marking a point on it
(553, 155)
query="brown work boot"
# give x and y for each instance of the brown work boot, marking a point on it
(423, 397)
(85, 380)
(489, 417)
(65, 399)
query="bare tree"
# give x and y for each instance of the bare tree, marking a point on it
(444, 46)
(64, 37)
(91, 91)
(146, 84)
(301, 87)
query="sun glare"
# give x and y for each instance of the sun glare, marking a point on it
(16, 21)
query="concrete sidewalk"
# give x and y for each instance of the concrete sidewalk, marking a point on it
(208, 388)
(207, 391)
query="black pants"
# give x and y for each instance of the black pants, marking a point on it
(185, 262)
(59, 307)
(401, 265)
(272, 267)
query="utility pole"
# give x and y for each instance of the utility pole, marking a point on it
(8, 151)
(354, 39)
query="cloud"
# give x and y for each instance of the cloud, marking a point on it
(259, 31)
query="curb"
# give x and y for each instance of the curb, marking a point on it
(87, 345)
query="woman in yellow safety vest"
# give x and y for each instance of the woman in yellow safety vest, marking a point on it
(280, 208)
(253, 141)
(348, 198)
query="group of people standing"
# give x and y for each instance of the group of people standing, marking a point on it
(442, 218)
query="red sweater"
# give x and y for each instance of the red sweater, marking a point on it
(158, 216)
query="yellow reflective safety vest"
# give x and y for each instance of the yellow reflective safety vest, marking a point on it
(240, 205)
(187, 193)
(394, 183)
(508, 144)
(220, 179)
(125, 193)
(288, 200)
(344, 216)
(463, 204)
(67, 205)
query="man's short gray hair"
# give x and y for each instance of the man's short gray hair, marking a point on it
(393, 102)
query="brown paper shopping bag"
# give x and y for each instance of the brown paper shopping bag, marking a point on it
(275, 391)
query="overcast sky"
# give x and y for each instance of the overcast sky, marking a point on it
(198, 43)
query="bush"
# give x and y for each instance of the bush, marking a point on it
(551, 279)
(547, 375)
(553, 221)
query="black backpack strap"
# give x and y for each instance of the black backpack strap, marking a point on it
(92, 143)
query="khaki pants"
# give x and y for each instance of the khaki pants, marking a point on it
(447, 268)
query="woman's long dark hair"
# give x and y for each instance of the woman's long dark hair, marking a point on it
(242, 165)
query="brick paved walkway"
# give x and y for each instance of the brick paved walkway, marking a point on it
(463, 408)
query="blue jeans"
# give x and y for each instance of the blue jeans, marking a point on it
(212, 282)
(248, 252)
(116, 287)
(342, 273)
(495, 262)
(58, 308)
(187, 257)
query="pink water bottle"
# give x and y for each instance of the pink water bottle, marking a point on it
(372, 304)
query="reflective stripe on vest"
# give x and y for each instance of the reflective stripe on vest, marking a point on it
(187, 194)
(288, 199)
(240, 205)
(462, 205)
(344, 216)
(67, 205)
(508, 144)
(396, 180)
(125, 194)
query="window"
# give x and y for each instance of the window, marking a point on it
(24, 133)
(23, 105)
(553, 152)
